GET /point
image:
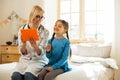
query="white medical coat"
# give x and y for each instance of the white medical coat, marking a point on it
(32, 62)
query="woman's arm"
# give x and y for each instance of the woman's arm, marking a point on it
(21, 45)
(43, 41)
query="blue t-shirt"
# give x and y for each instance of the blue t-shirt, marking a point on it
(60, 54)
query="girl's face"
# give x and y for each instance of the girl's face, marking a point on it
(59, 28)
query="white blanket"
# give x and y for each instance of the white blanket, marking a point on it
(107, 62)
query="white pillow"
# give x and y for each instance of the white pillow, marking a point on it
(94, 50)
(74, 49)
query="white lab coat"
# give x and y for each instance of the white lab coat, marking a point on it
(32, 62)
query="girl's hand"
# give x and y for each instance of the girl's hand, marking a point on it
(49, 69)
(48, 47)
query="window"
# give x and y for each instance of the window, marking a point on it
(88, 19)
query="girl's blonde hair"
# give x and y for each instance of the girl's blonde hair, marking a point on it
(35, 9)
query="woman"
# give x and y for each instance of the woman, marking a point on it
(57, 51)
(32, 52)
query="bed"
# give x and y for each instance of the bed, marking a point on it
(91, 61)
(85, 66)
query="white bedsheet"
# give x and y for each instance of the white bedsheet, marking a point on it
(87, 71)
(6, 70)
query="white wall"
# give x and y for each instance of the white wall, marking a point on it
(50, 14)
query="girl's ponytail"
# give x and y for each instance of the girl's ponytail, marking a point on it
(51, 44)
(70, 47)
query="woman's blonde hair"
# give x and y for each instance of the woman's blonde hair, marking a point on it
(33, 12)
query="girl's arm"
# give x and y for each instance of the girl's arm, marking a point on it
(48, 48)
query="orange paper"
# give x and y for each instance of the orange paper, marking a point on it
(29, 33)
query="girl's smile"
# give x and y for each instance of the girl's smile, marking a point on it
(56, 29)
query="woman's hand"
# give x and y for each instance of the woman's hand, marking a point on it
(48, 47)
(49, 68)
(23, 48)
(33, 44)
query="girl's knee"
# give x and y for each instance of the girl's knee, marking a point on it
(40, 76)
(48, 77)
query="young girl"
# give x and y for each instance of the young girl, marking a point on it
(57, 51)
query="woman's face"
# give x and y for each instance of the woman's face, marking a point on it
(37, 18)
